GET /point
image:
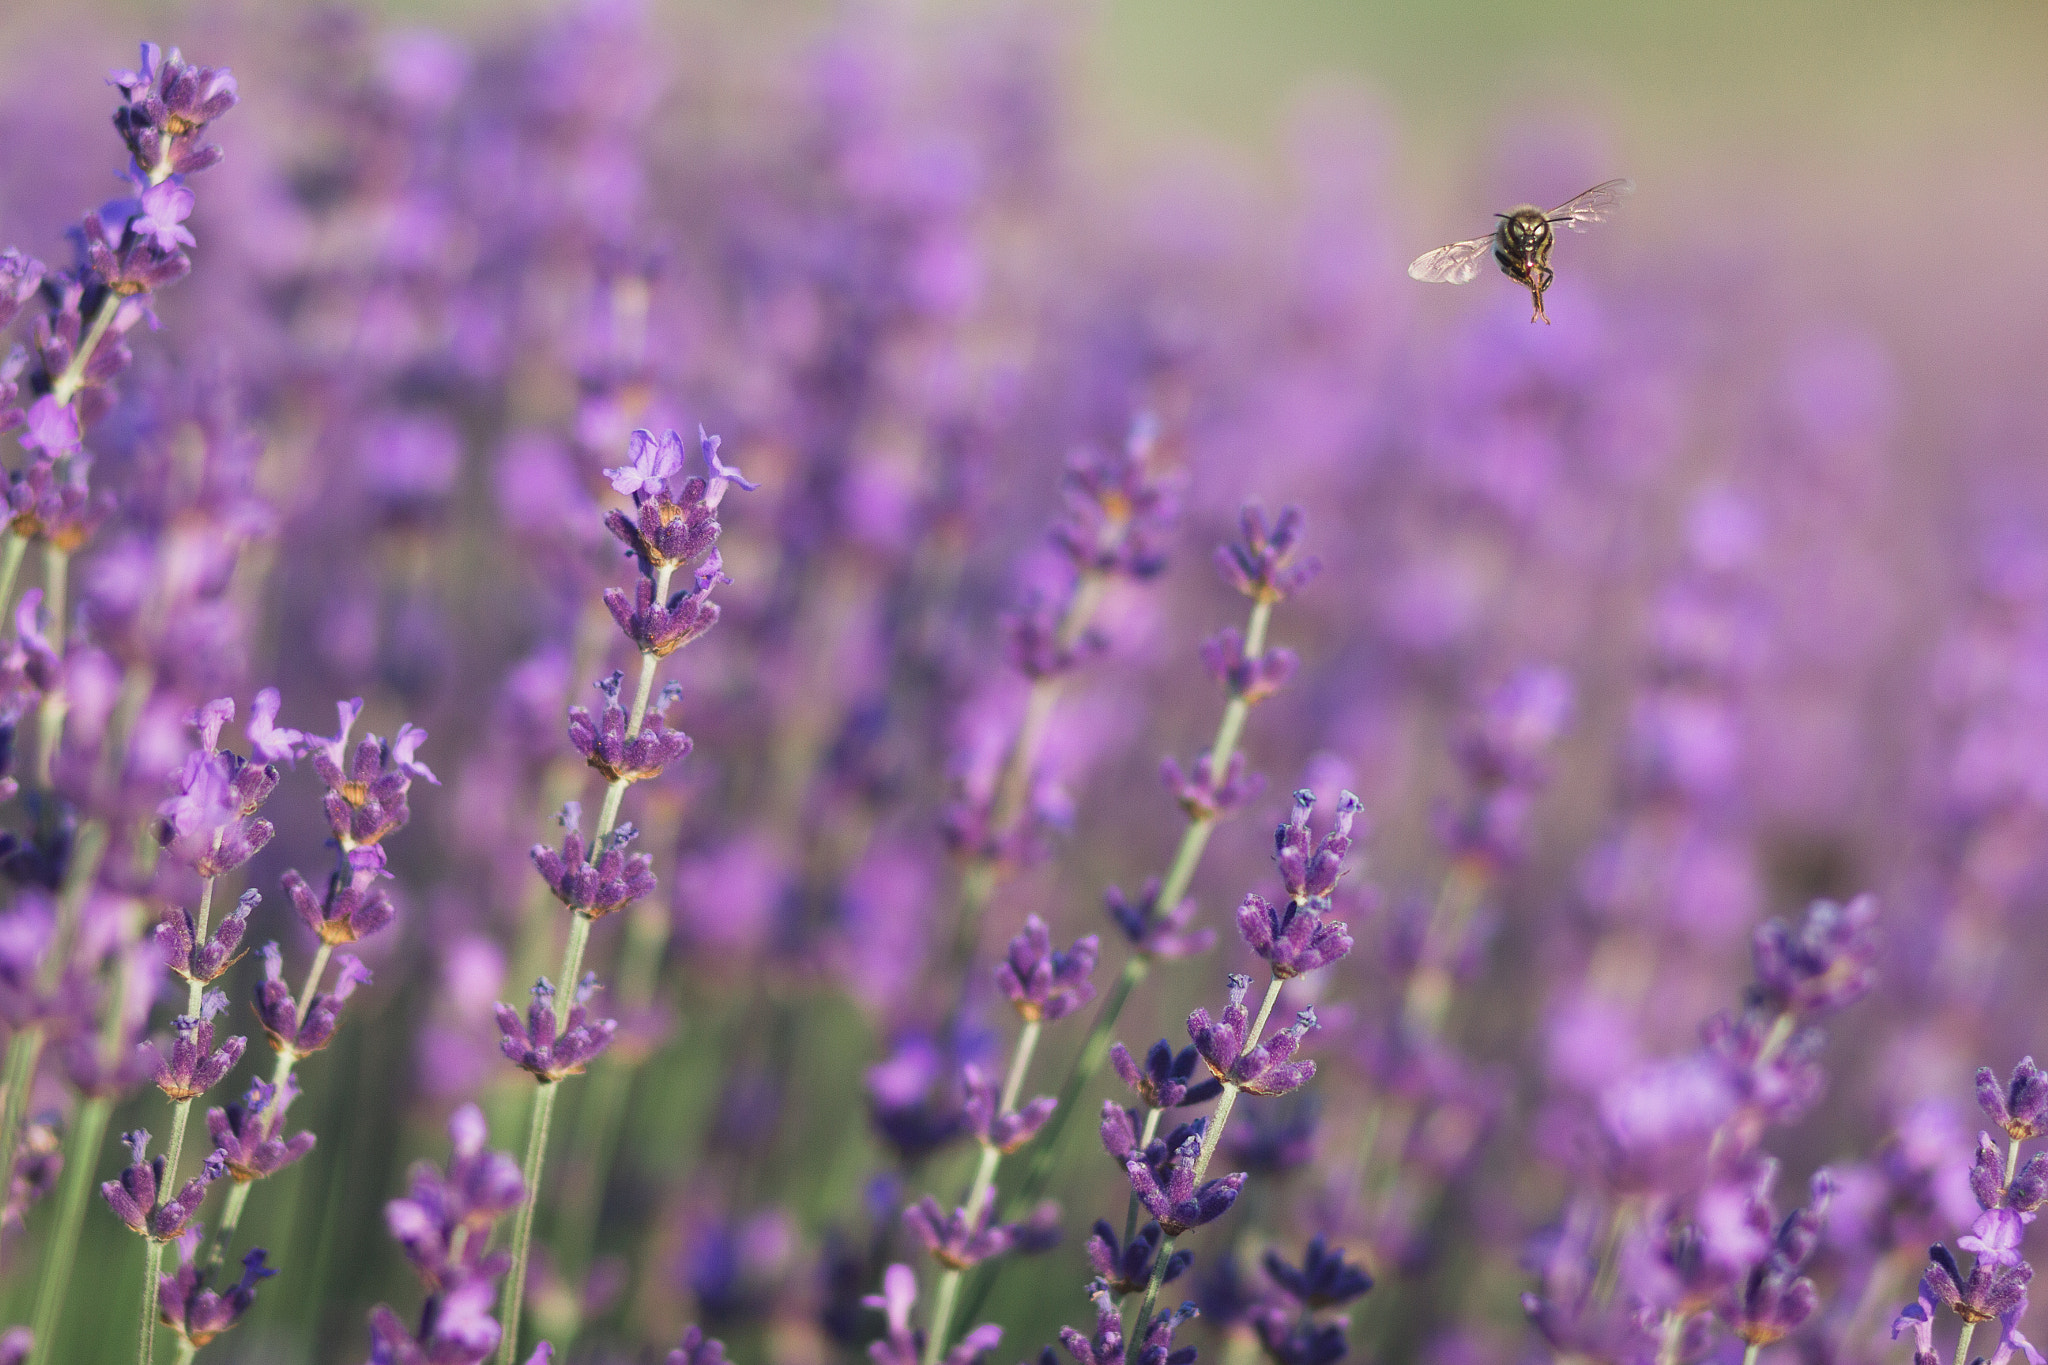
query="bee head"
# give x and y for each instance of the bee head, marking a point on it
(1524, 230)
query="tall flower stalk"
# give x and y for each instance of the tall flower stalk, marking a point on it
(672, 528)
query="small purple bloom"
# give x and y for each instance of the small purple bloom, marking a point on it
(165, 207)
(1262, 564)
(1324, 1279)
(2020, 1106)
(1128, 1269)
(604, 745)
(1251, 679)
(269, 741)
(279, 1012)
(248, 1133)
(1155, 932)
(650, 463)
(204, 962)
(1108, 1347)
(1262, 1069)
(959, 1240)
(1985, 1293)
(1164, 1080)
(198, 1314)
(133, 1195)
(1310, 870)
(536, 1045)
(444, 1221)
(1294, 938)
(1175, 1200)
(661, 628)
(1004, 1132)
(595, 886)
(354, 906)
(1828, 963)
(1201, 796)
(193, 1065)
(903, 1345)
(1043, 983)
(697, 1349)
(52, 427)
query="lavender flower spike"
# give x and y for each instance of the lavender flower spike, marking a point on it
(198, 1314)
(1128, 1269)
(1294, 938)
(1311, 871)
(1004, 1132)
(1176, 1201)
(1261, 565)
(133, 1196)
(194, 1066)
(1164, 1080)
(354, 906)
(958, 1240)
(903, 1345)
(605, 747)
(1323, 1280)
(1259, 1070)
(595, 887)
(1985, 1293)
(1042, 983)
(204, 962)
(1107, 1346)
(279, 1012)
(248, 1132)
(697, 1349)
(2020, 1106)
(533, 1044)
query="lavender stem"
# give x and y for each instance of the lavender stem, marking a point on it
(81, 1149)
(11, 555)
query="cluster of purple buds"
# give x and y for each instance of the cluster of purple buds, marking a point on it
(902, 1344)
(167, 106)
(1250, 678)
(1826, 964)
(1262, 565)
(133, 1196)
(1036, 645)
(1044, 984)
(1121, 509)
(1127, 1268)
(1288, 1332)
(1166, 1080)
(1310, 867)
(1159, 933)
(1108, 1346)
(196, 1313)
(177, 938)
(594, 886)
(1996, 1284)
(669, 532)
(211, 825)
(1201, 795)
(366, 787)
(961, 1239)
(354, 906)
(697, 1349)
(1004, 1132)
(445, 1223)
(279, 1012)
(1171, 1194)
(193, 1065)
(1235, 1058)
(1773, 1299)
(536, 1044)
(249, 1133)
(604, 744)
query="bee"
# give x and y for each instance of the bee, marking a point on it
(1521, 243)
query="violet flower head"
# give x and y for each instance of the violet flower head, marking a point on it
(1201, 796)
(269, 741)
(537, 1046)
(671, 531)
(133, 1196)
(168, 105)
(1293, 937)
(1155, 932)
(594, 886)
(1985, 1293)
(958, 1240)
(901, 1344)
(199, 1314)
(1036, 646)
(661, 628)
(249, 1132)
(367, 785)
(354, 906)
(193, 1065)
(1121, 509)
(1251, 679)
(455, 1329)
(165, 207)
(204, 962)
(210, 825)
(650, 463)
(1042, 983)
(603, 743)
(1826, 964)
(1004, 1132)
(2020, 1106)
(1108, 1346)
(1289, 1338)
(1775, 1299)
(1127, 1269)
(1262, 565)
(1175, 1200)
(444, 1221)
(1324, 1279)
(697, 1349)
(279, 1012)
(20, 277)
(912, 1100)
(1236, 1059)
(1165, 1080)
(1310, 868)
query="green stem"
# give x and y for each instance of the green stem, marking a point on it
(1749, 1352)
(72, 379)
(51, 710)
(153, 1268)
(14, 548)
(1962, 1346)
(1672, 1337)
(24, 1051)
(81, 1150)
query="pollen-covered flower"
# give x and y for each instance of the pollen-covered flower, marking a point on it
(1310, 868)
(1294, 937)
(367, 785)
(1127, 1269)
(2020, 1106)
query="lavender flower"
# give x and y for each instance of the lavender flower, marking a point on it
(354, 906)
(1173, 1198)
(1107, 1345)
(1156, 932)
(958, 1240)
(1043, 984)
(279, 1012)
(366, 788)
(176, 935)
(1127, 1269)
(248, 1133)
(604, 745)
(1262, 565)
(1827, 964)
(1201, 795)
(1164, 1081)
(1324, 1279)
(594, 886)
(1775, 1299)
(133, 1197)
(1236, 1059)
(1004, 1132)
(211, 824)
(1294, 938)
(697, 1349)
(1290, 1339)
(169, 105)
(902, 1344)
(444, 1221)
(199, 1314)
(1310, 870)
(2021, 1106)
(193, 1065)
(534, 1044)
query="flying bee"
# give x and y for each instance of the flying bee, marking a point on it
(1521, 243)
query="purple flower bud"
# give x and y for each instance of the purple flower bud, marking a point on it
(1294, 938)
(354, 907)
(1261, 565)
(605, 747)
(1310, 871)
(133, 1196)
(268, 740)
(536, 1045)
(444, 1221)
(903, 1345)
(1323, 1280)
(595, 886)
(1128, 1269)
(1005, 1132)
(198, 1314)
(193, 1065)
(1042, 983)
(1250, 680)
(1201, 796)
(1164, 1080)
(1983, 1294)
(1261, 1070)
(20, 277)
(204, 962)
(1036, 645)
(1827, 964)
(2021, 1106)
(1154, 932)
(697, 1349)
(958, 1240)
(367, 787)
(1289, 1338)
(278, 1011)
(248, 1133)
(1174, 1199)
(169, 105)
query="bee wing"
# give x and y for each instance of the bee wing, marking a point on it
(1593, 206)
(1457, 263)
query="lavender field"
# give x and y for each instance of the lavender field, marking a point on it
(869, 684)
